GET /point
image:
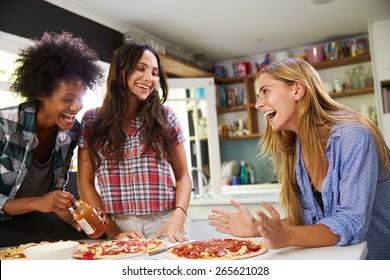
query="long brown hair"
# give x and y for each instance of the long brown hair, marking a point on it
(107, 135)
(315, 110)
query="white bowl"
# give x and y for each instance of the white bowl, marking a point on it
(61, 250)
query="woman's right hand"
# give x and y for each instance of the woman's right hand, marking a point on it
(241, 224)
(55, 201)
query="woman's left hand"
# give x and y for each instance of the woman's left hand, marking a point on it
(174, 228)
(273, 231)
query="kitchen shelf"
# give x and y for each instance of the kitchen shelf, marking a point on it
(229, 81)
(247, 136)
(221, 110)
(178, 68)
(352, 92)
(342, 61)
(182, 69)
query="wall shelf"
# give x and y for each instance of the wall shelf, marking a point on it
(182, 69)
(342, 61)
(221, 110)
(352, 92)
(247, 136)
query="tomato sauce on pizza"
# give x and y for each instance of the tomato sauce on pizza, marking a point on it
(120, 248)
(217, 249)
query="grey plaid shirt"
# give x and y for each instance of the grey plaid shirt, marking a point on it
(17, 143)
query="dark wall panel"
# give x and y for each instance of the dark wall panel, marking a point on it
(30, 18)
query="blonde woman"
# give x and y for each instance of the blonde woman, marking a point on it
(333, 167)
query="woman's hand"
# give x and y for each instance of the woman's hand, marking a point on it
(241, 224)
(134, 234)
(174, 228)
(55, 201)
(275, 234)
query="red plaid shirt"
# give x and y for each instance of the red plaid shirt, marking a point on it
(140, 184)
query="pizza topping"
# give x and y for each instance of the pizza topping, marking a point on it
(121, 247)
(217, 248)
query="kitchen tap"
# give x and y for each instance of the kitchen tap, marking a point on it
(205, 183)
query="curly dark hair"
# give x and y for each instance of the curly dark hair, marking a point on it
(52, 59)
(107, 135)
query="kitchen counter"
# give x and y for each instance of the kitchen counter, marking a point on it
(352, 252)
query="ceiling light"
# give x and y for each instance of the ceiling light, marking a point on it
(320, 2)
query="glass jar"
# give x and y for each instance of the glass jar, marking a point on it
(90, 219)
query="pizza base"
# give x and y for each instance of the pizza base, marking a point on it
(80, 252)
(170, 255)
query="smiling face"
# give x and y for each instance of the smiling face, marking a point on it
(62, 106)
(144, 79)
(277, 101)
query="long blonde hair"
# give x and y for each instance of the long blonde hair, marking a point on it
(316, 109)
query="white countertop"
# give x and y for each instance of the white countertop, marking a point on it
(351, 252)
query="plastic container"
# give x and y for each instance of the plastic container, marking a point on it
(241, 69)
(243, 174)
(315, 54)
(90, 219)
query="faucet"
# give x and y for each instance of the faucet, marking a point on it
(205, 184)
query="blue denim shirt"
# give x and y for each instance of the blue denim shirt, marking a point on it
(355, 194)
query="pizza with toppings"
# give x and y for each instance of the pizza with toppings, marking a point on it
(119, 248)
(219, 249)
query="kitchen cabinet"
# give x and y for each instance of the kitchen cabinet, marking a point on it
(380, 42)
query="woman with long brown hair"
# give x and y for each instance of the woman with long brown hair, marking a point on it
(130, 144)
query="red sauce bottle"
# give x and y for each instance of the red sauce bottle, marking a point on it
(88, 218)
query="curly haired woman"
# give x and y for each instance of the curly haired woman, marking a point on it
(37, 138)
(333, 165)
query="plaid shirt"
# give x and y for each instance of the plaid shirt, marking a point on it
(17, 143)
(139, 184)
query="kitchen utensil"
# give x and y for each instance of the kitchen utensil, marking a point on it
(61, 250)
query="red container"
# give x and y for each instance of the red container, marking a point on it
(315, 54)
(241, 69)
